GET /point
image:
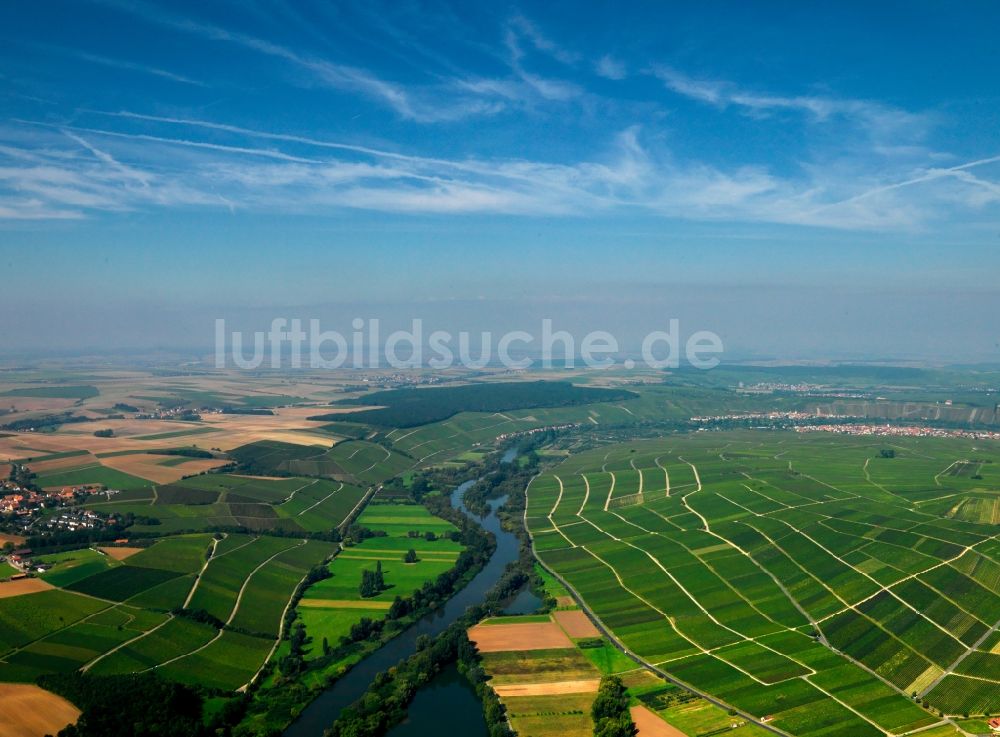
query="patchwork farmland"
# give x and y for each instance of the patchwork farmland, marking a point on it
(546, 670)
(805, 581)
(226, 500)
(126, 616)
(197, 607)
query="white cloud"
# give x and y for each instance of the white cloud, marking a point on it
(444, 98)
(881, 120)
(76, 171)
(610, 68)
(520, 27)
(425, 104)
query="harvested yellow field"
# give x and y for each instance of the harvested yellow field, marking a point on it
(120, 553)
(60, 463)
(576, 624)
(14, 447)
(227, 438)
(556, 688)
(27, 445)
(650, 725)
(36, 404)
(287, 425)
(22, 586)
(527, 636)
(149, 467)
(30, 711)
(284, 417)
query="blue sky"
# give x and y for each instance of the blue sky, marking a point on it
(803, 180)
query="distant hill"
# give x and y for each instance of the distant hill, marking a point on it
(412, 407)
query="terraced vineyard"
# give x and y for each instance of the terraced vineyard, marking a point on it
(111, 616)
(118, 617)
(223, 500)
(804, 580)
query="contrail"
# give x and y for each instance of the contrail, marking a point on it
(929, 176)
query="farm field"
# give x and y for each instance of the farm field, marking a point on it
(332, 606)
(806, 579)
(114, 616)
(227, 500)
(293, 441)
(547, 678)
(75, 565)
(30, 710)
(714, 556)
(352, 461)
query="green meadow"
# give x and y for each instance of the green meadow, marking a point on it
(332, 606)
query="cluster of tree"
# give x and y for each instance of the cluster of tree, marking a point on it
(331, 535)
(246, 411)
(108, 433)
(22, 476)
(610, 710)
(136, 705)
(114, 527)
(316, 573)
(204, 617)
(494, 712)
(499, 481)
(294, 662)
(347, 429)
(295, 631)
(411, 556)
(386, 700)
(142, 519)
(45, 422)
(228, 468)
(190, 452)
(356, 533)
(500, 478)
(372, 582)
(429, 535)
(122, 407)
(366, 628)
(199, 615)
